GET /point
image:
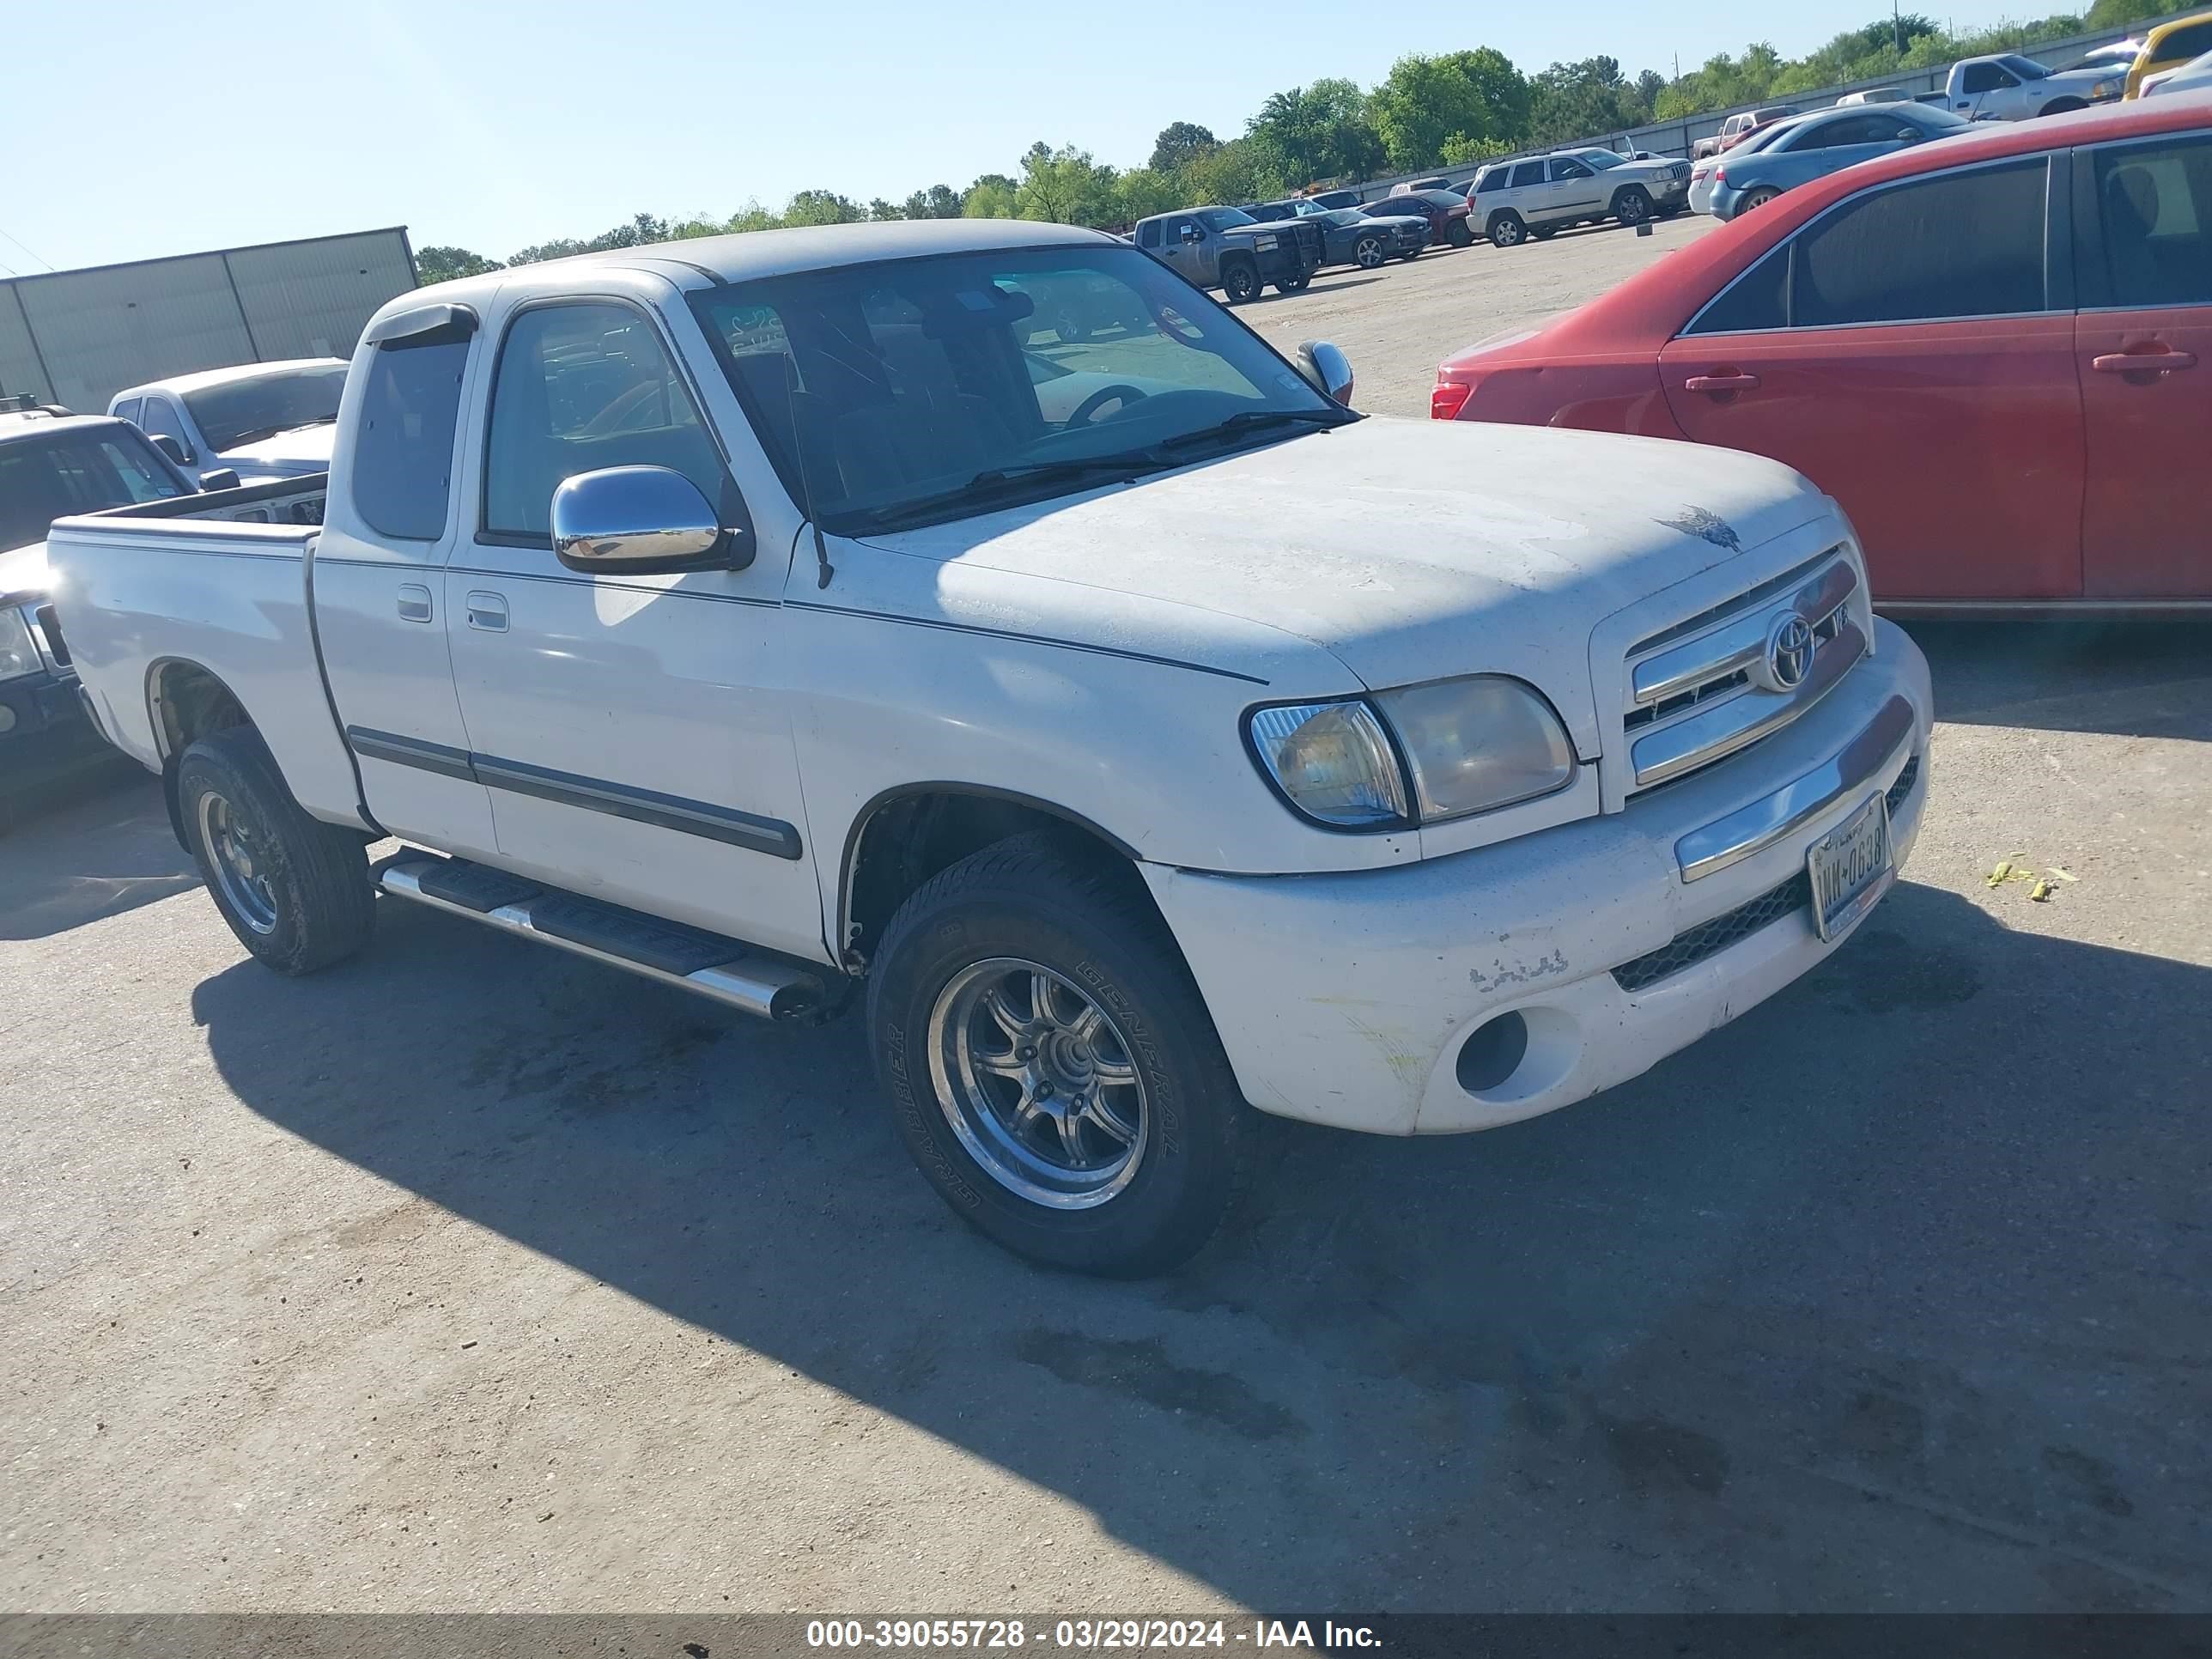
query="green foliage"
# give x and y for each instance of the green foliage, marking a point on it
(823, 207)
(1143, 191)
(443, 265)
(1064, 186)
(1459, 99)
(1320, 132)
(1179, 141)
(938, 202)
(1576, 101)
(994, 196)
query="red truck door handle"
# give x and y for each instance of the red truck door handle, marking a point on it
(2142, 362)
(1729, 381)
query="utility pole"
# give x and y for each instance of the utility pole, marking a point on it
(1896, 27)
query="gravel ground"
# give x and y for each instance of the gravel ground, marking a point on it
(469, 1276)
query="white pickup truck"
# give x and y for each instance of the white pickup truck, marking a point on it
(761, 615)
(2009, 87)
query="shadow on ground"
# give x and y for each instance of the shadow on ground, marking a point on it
(1896, 1292)
(2151, 679)
(95, 844)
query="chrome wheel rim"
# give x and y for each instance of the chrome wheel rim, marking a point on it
(1370, 253)
(238, 858)
(1038, 1083)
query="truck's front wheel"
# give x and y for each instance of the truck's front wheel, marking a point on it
(1051, 1065)
(1240, 282)
(295, 890)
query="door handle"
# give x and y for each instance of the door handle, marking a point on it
(2142, 362)
(1727, 381)
(487, 611)
(414, 602)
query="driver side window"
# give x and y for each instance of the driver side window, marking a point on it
(1563, 169)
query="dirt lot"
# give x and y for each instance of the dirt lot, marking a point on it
(465, 1276)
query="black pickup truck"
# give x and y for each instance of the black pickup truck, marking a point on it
(1227, 248)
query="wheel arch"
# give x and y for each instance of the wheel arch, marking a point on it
(186, 700)
(909, 833)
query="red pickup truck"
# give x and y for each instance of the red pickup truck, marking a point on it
(1994, 352)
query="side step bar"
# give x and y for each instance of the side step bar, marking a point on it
(711, 966)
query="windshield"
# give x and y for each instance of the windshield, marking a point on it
(919, 390)
(42, 479)
(1223, 218)
(2026, 68)
(1600, 159)
(245, 411)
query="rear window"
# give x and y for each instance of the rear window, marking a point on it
(2154, 203)
(45, 478)
(1527, 172)
(402, 452)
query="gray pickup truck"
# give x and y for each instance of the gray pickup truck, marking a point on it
(1227, 248)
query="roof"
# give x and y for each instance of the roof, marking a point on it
(16, 424)
(1650, 304)
(201, 379)
(757, 253)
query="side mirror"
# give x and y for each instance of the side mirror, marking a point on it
(642, 518)
(173, 448)
(1908, 135)
(221, 477)
(1328, 368)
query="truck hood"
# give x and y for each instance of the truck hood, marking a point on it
(287, 454)
(24, 573)
(1409, 549)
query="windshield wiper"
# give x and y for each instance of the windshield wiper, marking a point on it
(1005, 480)
(1253, 420)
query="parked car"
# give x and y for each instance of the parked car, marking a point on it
(1700, 197)
(2119, 55)
(2009, 87)
(1438, 183)
(2195, 75)
(1739, 127)
(54, 464)
(1328, 200)
(1225, 248)
(1543, 195)
(1445, 212)
(1994, 352)
(2169, 45)
(1011, 760)
(262, 421)
(1268, 212)
(1816, 145)
(1877, 95)
(1353, 238)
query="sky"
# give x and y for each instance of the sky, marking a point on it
(152, 128)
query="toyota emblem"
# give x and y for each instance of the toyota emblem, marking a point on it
(1790, 647)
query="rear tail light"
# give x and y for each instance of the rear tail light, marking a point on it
(1720, 175)
(1448, 398)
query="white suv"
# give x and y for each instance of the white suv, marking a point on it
(1512, 201)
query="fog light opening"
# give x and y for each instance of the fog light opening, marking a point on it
(1492, 1052)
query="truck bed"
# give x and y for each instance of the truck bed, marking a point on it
(219, 581)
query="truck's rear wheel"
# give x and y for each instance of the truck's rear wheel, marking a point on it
(1296, 285)
(295, 890)
(1051, 1065)
(1240, 282)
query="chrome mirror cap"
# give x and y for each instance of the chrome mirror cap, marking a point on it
(1328, 368)
(636, 518)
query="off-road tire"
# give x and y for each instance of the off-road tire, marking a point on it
(1089, 920)
(316, 873)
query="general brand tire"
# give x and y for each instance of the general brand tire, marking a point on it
(1032, 902)
(296, 890)
(1632, 205)
(1367, 253)
(1240, 284)
(1460, 234)
(1506, 229)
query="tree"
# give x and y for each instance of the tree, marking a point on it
(994, 196)
(1142, 191)
(1581, 101)
(1178, 142)
(821, 207)
(443, 265)
(1242, 170)
(1320, 132)
(879, 209)
(1064, 186)
(1425, 102)
(938, 202)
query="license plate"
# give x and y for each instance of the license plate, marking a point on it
(1850, 867)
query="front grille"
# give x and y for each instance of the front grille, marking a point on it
(1709, 938)
(1703, 689)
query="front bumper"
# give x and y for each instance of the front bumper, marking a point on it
(1346, 1000)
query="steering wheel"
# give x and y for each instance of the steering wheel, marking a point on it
(1085, 412)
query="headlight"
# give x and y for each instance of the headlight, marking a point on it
(2102, 89)
(1332, 762)
(1263, 243)
(1468, 745)
(19, 653)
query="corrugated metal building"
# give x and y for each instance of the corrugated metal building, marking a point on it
(79, 336)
